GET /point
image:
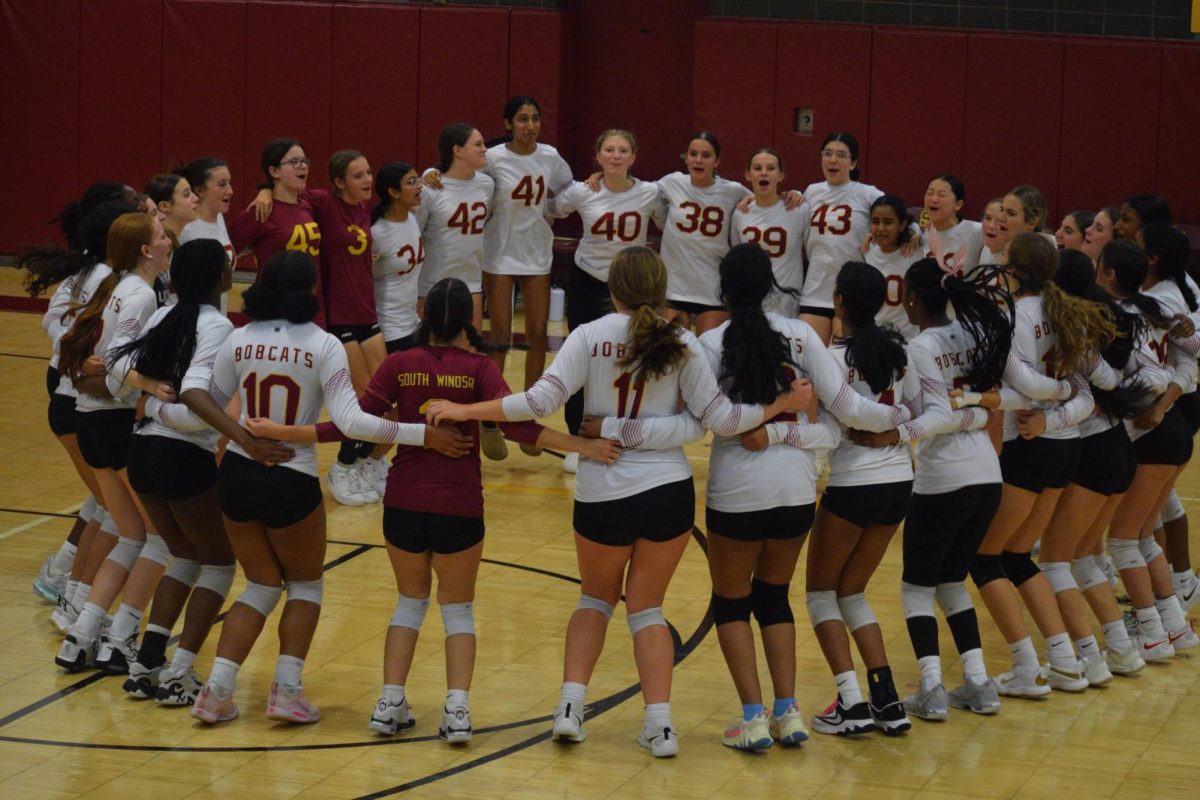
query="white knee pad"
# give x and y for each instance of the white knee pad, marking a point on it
(856, 611)
(216, 578)
(917, 600)
(182, 570)
(1149, 548)
(410, 612)
(1173, 508)
(156, 550)
(953, 598)
(262, 599)
(1058, 573)
(125, 552)
(1087, 573)
(89, 509)
(589, 603)
(822, 607)
(108, 525)
(458, 618)
(647, 617)
(1125, 553)
(310, 591)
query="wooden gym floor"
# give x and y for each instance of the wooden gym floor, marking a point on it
(79, 736)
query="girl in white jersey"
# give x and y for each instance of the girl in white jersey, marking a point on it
(632, 519)
(212, 185)
(615, 217)
(1099, 233)
(1025, 211)
(286, 368)
(778, 229)
(1070, 233)
(138, 251)
(944, 198)
(397, 253)
(995, 234)
(891, 229)
(839, 210)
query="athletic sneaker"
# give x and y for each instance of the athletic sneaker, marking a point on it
(1153, 651)
(1125, 663)
(364, 481)
(377, 471)
(64, 615)
(930, 704)
(287, 705)
(571, 463)
(1065, 680)
(142, 682)
(77, 653)
(1019, 682)
(390, 718)
(491, 441)
(1184, 639)
(568, 723)
(50, 582)
(661, 742)
(749, 734)
(177, 687)
(1096, 671)
(890, 718)
(1186, 599)
(788, 728)
(841, 721)
(456, 725)
(530, 450)
(346, 485)
(213, 707)
(981, 698)
(115, 656)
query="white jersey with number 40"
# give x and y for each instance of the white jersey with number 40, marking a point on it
(452, 220)
(612, 221)
(839, 220)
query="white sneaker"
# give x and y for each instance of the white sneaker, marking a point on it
(1153, 651)
(345, 484)
(1096, 671)
(391, 718)
(571, 463)
(77, 653)
(376, 470)
(931, 704)
(1065, 680)
(1022, 683)
(568, 723)
(661, 742)
(64, 615)
(177, 687)
(456, 725)
(1125, 663)
(50, 582)
(491, 441)
(749, 734)
(1184, 639)
(114, 656)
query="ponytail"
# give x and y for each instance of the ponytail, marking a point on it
(637, 279)
(284, 289)
(449, 309)
(876, 353)
(47, 265)
(755, 358)
(1130, 268)
(1080, 327)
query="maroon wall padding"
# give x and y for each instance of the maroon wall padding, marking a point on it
(39, 140)
(1110, 119)
(374, 61)
(120, 91)
(826, 68)
(918, 90)
(288, 84)
(535, 56)
(1179, 132)
(203, 78)
(464, 73)
(731, 102)
(995, 158)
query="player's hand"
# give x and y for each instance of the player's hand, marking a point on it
(756, 439)
(1150, 418)
(165, 391)
(870, 439)
(264, 201)
(743, 205)
(593, 181)
(433, 179)
(448, 440)
(268, 452)
(792, 199)
(1183, 327)
(440, 411)
(94, 366)
(265, 428)
(1031, 424)
(590, 427)
(606, 451)
(866, 245)
(800, 396)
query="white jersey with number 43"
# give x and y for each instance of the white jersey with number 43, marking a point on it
(452, 220)
(839, 221)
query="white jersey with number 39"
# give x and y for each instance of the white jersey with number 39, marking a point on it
(839, 221)
(696, 235)
(781, 233)
(517, 239)
(452, 220)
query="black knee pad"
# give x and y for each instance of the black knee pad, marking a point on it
(770, 603)
(731, 609)
(985, 569)
(1019, 567)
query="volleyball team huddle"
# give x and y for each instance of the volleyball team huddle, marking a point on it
(985, 383)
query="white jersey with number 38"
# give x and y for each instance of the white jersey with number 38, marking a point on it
(696, 235)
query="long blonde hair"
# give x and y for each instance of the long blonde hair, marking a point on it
(638, 281)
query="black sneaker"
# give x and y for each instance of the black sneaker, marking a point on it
(890, 718)
(841, 721)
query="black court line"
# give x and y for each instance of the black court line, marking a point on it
(38, 513)
(22, 355)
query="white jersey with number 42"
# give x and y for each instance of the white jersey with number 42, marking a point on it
(452, 220)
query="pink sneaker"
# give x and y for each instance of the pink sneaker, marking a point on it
(290, 706)
(211, 707)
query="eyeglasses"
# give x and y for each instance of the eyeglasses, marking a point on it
(296, 163)
(838, 154)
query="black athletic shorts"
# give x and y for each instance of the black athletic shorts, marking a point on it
(782, 522)
(353, 333)
(1107, 462)
(1040, 463)
(1189, 406)
(942, 532)
(659, 515)
(1169, 443)
(104, 436)
(61, 414)
(419, 531)
(52, 376)
(403, 343)
(170, 468)
(869, 504)
(276, 496)
(695, 309)
(816, 311)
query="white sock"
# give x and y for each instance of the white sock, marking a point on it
(64, 558)
(848, 688)
(1150, 623)
(1088, 648)
(393, 693)
(1116, 637)
(223, 677)
(82, 590)
(575, 694)
(125, 623)
(90, 619)
(931, 671)
(159, 629)
(658, 716)
(1182, 580)
(1171, 613)
(182, 660)
(1023, 655)
(1059, 651)
(456, 698)
(69, 590)
(287, 672)
(973, 668)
